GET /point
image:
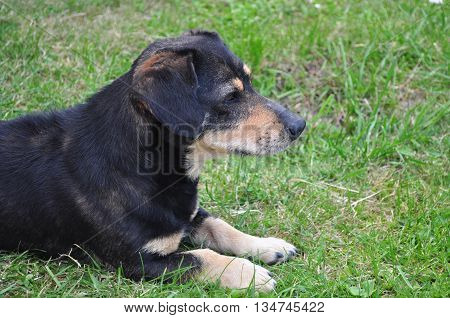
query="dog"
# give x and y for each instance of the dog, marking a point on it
(116, 177)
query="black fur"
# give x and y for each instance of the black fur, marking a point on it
(72, 177)
(84, 177)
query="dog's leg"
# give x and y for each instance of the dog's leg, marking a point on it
(232, 272)
(203, 264)
(148, 266)
(218, 235)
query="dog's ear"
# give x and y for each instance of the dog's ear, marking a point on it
(166, 84)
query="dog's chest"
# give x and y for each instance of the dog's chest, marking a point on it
(194, 211)
(184, 201)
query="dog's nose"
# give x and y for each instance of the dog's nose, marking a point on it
(296, 128)
(293, 123)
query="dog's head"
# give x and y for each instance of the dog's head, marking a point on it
(195, 85)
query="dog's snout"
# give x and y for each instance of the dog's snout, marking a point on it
(296, 127)
(294, 124)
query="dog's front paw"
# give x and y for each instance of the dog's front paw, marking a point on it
(234, 272)
(272, 250)
(241, 273)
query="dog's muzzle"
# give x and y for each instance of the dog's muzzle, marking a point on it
(293, 123)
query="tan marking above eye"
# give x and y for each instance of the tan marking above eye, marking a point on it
(238, 84)
(247, 69)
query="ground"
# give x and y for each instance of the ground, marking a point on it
(364, 194)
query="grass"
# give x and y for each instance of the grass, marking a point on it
(364, 194)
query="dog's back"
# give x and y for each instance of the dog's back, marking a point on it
(29, 152)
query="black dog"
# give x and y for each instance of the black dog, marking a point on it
(117, 176)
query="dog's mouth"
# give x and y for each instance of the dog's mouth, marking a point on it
(248, 141)
(268, 152)
(267, 129)
(243, 142)
(264, 150)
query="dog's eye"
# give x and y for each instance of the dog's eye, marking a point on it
(232, 96)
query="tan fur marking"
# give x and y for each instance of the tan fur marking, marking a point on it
(198, 154)
(238, 84)
(194, 214)
(220, 236)
(261, 116)
(232, 272)
(149, 63)
(247, 69)
(260, 121)
(164, 245)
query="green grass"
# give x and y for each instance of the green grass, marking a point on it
(364, 194)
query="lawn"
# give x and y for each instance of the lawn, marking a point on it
(364, 194)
